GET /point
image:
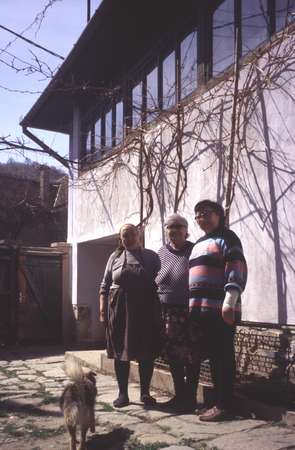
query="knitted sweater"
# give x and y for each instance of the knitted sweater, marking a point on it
(216, 264)
(172, 279)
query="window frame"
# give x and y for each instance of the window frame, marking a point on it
(202, 25)
(149, 69)
(164, 56)
(181, 39)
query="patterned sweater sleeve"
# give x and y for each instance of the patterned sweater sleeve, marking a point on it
(108, 277)
(235, 263)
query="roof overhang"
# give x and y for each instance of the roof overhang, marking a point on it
(117, 35)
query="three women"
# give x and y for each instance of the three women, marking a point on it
(199, 287)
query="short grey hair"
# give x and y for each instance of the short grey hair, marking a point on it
(176, 219)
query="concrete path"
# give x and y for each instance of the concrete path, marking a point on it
(31, 381)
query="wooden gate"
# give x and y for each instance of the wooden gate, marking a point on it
(8, 294)
(40, 298)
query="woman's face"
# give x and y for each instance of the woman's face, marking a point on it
(176, 234)
(207, 219)
(130, 237)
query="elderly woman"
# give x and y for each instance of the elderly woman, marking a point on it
(128, 306)
(172, 281)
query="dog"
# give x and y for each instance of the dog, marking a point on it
(77, 402)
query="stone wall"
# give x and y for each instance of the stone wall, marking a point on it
(262, 355)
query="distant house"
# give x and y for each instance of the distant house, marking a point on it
(167, 103)
(33, 210)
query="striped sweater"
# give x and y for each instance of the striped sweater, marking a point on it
(216, 264)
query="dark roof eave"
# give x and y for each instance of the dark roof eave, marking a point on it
(30, 118)
(112, 29)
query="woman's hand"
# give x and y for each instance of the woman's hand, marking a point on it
(228, 307)
(102, 316)
(228, 315)
(102, 308)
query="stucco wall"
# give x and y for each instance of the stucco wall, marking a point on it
(262, 212)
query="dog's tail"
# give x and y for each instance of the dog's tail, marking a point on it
(73, 369)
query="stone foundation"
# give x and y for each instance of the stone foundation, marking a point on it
(262, 353)
(265, 361)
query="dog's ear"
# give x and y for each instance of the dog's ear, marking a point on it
(88, 371)
(91, 375)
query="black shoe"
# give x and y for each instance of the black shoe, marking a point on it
(121, 401)
(188, 407)
(179, 406)
(147, 400)
(173, 403)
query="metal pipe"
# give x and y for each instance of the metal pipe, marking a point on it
(88, 10)
(45, 148)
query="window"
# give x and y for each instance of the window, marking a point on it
(97, 138)
(223, 36)
(152, 94)
(188, 55)
(255, 23)
(169, 81)
(159, 86)
(119, 123)
(89, 142)
(285, 10)
(108, 129)
(136, 105)
(97, 134)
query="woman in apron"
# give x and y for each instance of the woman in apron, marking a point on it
(129, 306)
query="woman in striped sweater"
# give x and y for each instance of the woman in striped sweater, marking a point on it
(217, 276)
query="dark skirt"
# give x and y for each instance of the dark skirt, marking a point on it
(177, 344)
(134, 325)
(185, 339)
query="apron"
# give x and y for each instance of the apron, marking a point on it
(134, 318)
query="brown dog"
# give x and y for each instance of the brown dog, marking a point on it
(77, 402)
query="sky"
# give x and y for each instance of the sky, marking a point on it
(60, 28)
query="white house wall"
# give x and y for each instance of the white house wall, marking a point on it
(262, 214)
(101, 206)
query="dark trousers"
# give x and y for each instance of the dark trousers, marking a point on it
(219, 338)
(185, 380)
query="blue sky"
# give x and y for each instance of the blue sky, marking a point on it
(61, 27)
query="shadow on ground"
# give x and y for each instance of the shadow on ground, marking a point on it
(34, 351)
(115, 440)
(13, 406)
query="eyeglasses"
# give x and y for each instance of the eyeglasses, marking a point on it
(177, 226)
(204, 213)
